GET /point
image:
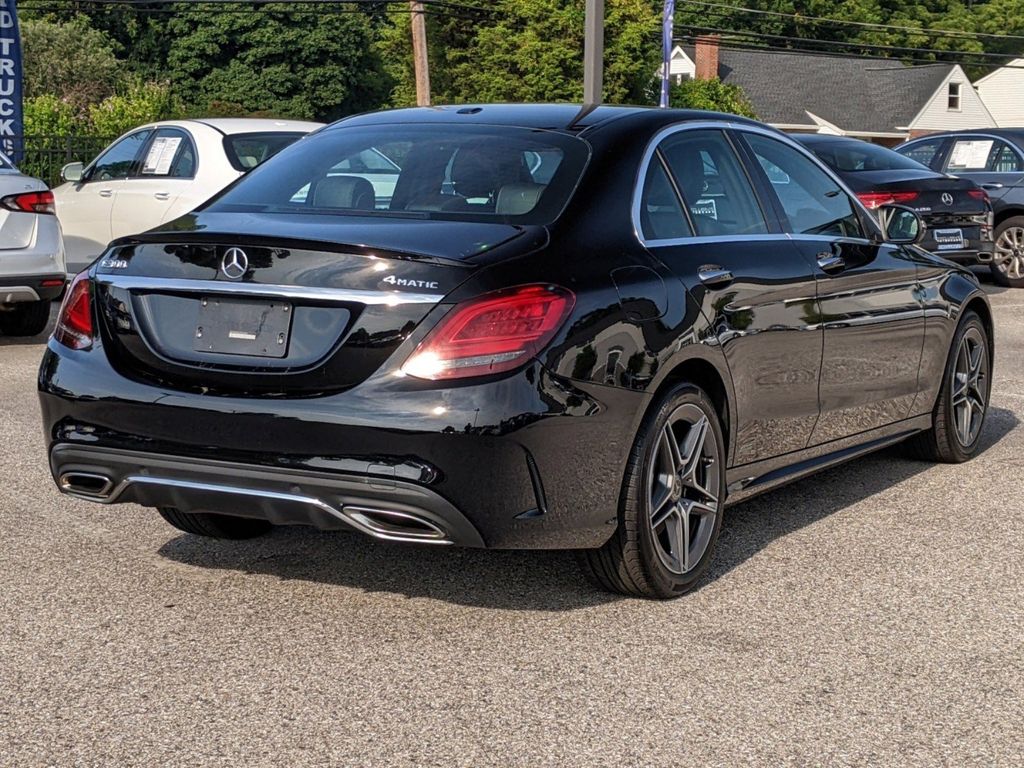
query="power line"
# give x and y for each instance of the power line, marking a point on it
(893, 61)
(949, 33)
(839, 43)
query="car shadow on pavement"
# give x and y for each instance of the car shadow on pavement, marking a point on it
(542, 580)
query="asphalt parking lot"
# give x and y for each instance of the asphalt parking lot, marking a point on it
(872, 615)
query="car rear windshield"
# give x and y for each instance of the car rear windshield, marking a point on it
(849, 157)
(247, 150)
(454, 173)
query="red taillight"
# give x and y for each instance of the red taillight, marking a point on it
(978, 194)
(29, 202)
(494, 333)
(873, 200)
(74, 323)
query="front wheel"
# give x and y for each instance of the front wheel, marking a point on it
(1008, 260)
(959, 414)
(671, 504)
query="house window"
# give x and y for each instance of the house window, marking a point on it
(954, 97)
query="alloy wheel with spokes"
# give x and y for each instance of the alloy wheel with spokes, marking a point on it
(970, 386)
(1008, 259)
(670, 510)
(683, 482)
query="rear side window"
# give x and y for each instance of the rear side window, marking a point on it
(247, 150)
(922, 151)
(812, 200)
(661, 213)
(713, 183)
(427, 171)
(1004, 160)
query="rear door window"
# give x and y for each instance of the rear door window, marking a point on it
(1004, 159)
(171, 154)
(713, 183)
(970, 154)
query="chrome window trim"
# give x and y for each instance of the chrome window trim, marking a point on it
(728, 125)
(336, 295)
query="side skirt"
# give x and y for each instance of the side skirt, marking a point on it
(752, 479)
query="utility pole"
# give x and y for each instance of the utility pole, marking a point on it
(419, 53)
(593, 54)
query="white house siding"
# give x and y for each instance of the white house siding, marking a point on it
(936, 115)
(1003, 94)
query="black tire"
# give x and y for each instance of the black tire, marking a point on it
(1010, 258)
(943, 442)
(26, 319)
(632, 561)
(213, 525)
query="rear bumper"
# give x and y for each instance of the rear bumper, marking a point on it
(391, 510)
(15, 289)
(525, 462)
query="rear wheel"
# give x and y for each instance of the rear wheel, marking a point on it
(26, 319)
(213, 525)
(963, 400)
(671, 505)
(1008, 260)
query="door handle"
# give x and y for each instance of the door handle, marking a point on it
(106, 192)
(714, 275)
(992, 185)
(830, 262)
(162, 195)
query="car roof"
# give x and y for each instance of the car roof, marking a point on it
(230, 126)
(827, 138)
(559, 117)
(1015, 135)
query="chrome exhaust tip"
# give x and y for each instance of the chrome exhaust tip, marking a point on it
(398, 526)
(87, 484)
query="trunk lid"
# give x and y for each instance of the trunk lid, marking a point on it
(295, 306)
(940, 199)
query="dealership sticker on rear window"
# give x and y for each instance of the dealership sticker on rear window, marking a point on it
(705, 208)
(160, 156)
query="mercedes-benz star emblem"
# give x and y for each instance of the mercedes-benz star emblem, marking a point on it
(947, 198)
(234, 264)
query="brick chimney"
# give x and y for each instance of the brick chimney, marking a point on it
(706, 55)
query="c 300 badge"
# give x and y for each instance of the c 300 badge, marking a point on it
(114, 264)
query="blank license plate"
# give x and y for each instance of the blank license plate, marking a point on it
(239, 327)
(949, 239)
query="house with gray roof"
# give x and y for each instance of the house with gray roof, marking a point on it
(881, 101)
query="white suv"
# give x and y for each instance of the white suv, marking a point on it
(32, 271)
(159, 172)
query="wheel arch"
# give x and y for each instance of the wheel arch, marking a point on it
(980, 306)
(1008, 213)
(701, 372)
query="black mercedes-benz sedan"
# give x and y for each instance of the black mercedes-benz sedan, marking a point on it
(957, 212)
(513, 327)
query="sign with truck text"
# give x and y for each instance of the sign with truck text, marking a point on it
(11, 125)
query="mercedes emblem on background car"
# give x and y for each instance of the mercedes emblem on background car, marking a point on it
(234, 264)
(947, 198)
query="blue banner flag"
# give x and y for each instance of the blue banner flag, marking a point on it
(11, 125)
(667, 24)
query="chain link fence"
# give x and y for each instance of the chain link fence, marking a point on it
(44, 156)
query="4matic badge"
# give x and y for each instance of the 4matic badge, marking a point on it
(401, 282)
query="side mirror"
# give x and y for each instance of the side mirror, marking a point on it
(901, 225)
(72, 172)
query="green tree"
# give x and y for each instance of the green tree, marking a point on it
(138, 103)
(713, 95)
(527, 50)
(270, 61)
(70, 61)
